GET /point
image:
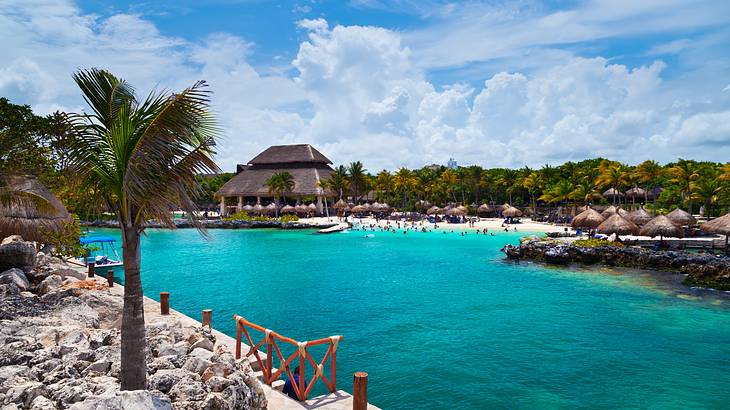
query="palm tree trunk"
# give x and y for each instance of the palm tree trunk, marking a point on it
(134, 369)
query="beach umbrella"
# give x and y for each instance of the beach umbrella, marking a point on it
(462, 208)
(367, 206)
(613, 193)
(511, 212)
(619, 225)
(350, 204)
(301, 209)
(247, 208)
(29, 218)
(288, 209)
(433, 210)
(661, 226)
(640, 216)
(358, 209)
(590, 218)
(635, 192)
(681, 218)
(313, 209)
(719, 225)
(385, 207)
(340, 205)
(258, 208)
(455, 212)
(270, 209)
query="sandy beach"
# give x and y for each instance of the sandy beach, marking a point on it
(491, 224)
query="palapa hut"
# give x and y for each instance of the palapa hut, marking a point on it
(455, 212)
(511, 212)
(288, 209)
(618, 225)
(31, 218)
(612, 210)
(306, 165)
(613, 194)
(358, 209)
(661, 226)
(433, 210)
(682, 218)
(258, 209)
(484, 209)
(640, 217)
(590, 218)
(720, 226)
(635, 193)
(312, 209)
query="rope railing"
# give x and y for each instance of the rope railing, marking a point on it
(302, 387)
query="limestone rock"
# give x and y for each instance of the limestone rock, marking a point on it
(196, 365)
(188, 389)
(42, 403)
(203, 343)
(50, 284)
(16, 253)
(16, 277)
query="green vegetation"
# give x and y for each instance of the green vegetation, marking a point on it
(65, 242)
(245, 216)
(595, 243)
(280, 184)
(288, 218)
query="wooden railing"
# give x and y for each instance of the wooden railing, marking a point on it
(271, 374)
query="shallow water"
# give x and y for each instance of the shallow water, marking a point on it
(443, 321)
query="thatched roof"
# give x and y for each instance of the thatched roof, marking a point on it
(247, 208)
(288, 209)
(661, 226)
(32, 217)
(341, 204)
(719, 225)
(613, 192)
(681, 218)
(618, 225)
(282, 154)
(433, 210)
(590, 218)
(611, 210)
(358, 209)
(422, 204)
(511, 212)
(484, 208)
(640, 216)
(455, 212)
(258, 208)
(635, 192)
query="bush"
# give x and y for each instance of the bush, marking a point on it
(595, 243)
(289, 218)
(65, 242)
(244, 216)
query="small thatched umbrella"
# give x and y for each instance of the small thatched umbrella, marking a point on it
(340, 205)
(433, 210)
(301, 209)
(635, 192)
(484, 209)
(37, 211)
(462, 208)
(367, 206)
(247, 208)
(385, 207)
(640, 217)
(590, 218)
(288, 209)
(619, 225)
(511, 212)
(613, 194)
(312, 209)
(358, 209)
(455, 212)
(681, 218)
(422, 204)
(661, 226)
(258, 208)
(719, 225)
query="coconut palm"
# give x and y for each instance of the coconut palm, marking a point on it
(585, 192)
(612, 175)
(707, 191)
(404, 181)
(279, 184)
(356, 173)
(140, 157)
(383, 183)
(559, 193)
(684, 174)
(532, 182)
(648, 173)
(338, 181)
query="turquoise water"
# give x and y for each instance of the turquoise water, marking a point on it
(443, 321)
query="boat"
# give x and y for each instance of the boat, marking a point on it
(102, 253)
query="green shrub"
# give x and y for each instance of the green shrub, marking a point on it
(595, 243)
(289, 218)
(65, 242)
(244, 216)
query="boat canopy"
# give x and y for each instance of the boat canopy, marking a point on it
(96, 239)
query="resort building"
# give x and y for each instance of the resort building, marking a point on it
(305, 163)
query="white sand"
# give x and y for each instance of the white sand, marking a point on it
(492, 224)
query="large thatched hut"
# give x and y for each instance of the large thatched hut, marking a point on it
(306, 165)
(33, 210)
(590, 218)
(721, 226)
(681, 217)
(618, 225)
(662, 226)
(640, 217)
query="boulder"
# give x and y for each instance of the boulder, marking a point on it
(17, 253)
(15, 277)
(201, 353)
(69, 273)
(196, 365)
(188, 389)
(50, 284)
(203, 343)
(130, 399)
(218, 384)
(42, 403)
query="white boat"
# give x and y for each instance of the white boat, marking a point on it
(102, 253)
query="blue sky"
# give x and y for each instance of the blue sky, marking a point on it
(403, 82)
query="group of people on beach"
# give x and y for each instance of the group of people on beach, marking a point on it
(419, 226)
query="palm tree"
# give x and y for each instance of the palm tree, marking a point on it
(356, 172)
(559, 193)
(684, 173)
(141, 159)
(707, 191)
(404, 181)
(279, 184)
(612, 175)
(532, 182)
(648, 173)
(585, 192)
(451, 180)
(383, 183)
(338, 181)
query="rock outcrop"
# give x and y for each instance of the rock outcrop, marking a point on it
(701, 269)
(16, 253)
(60, 349)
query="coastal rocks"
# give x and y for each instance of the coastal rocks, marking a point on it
(49, 284)
(16, 278)
(17, 253)
(134, 399)
(702, 270)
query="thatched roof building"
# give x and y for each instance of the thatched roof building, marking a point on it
(590, 218)
(618, 225)
(37, 211)
(305, 163)
(662, 226)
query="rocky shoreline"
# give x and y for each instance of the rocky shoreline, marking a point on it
(60, 347)
(708, 271)
(220, 224)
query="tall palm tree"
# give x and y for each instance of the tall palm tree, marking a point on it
(451, 180)
(612, 175)
(532, 182)
(384, 184)
(707, 191)
(648, 173)
(561, 192)
(404, 181)
(279, 184)
(356, 172)
(141, 158)
(684, 173)
(339, 181)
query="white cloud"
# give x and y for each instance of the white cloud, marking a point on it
(362, 93)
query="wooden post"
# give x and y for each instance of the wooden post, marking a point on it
(360, 391)
(165, 303)
(91, 269)
(110, 277)
(207, 318)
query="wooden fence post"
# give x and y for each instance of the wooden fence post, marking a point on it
(91, 269)
(165, 303)
(110, 277)
(208, 318)
(360, 391)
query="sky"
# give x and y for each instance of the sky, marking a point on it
(396, 83)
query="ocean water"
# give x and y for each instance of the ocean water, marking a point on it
(443, 321)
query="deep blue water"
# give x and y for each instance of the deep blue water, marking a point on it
(443, 321)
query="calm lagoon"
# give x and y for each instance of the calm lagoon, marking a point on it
(444, 321)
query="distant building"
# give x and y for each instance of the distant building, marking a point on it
(307, 165)
(452, 164)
